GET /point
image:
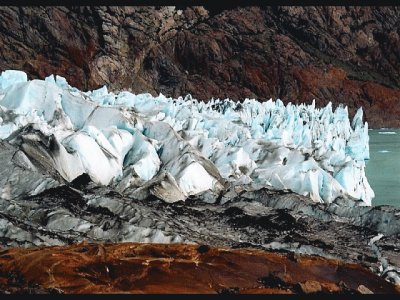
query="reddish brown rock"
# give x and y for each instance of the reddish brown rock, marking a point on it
(310, 287)
(339, 54)
(177, 268)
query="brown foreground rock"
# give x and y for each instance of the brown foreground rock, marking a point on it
(177, 268)
(340, 54)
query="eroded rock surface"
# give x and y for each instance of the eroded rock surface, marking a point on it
(177, 268)
(339, 54)
(268, 220)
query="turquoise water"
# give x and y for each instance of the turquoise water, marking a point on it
(383, 167)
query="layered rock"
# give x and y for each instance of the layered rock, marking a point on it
(274, 221)
(159, 268)
(339, 54)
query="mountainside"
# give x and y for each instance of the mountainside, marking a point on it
(340, 54)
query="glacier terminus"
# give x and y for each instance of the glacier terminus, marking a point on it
(142, 145)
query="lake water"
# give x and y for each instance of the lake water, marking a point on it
(383, 167)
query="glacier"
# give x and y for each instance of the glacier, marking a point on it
(142, 145)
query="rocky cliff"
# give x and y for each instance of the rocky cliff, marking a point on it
(341, 54)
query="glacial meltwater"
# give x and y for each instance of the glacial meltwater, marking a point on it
(383, 167)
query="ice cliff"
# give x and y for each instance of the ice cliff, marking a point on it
(176, 148)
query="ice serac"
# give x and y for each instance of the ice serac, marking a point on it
(11, 77)
(177, 148)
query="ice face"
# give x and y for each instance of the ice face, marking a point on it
(175, 148)
(12, 77)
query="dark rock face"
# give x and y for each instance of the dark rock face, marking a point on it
(340, 54)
